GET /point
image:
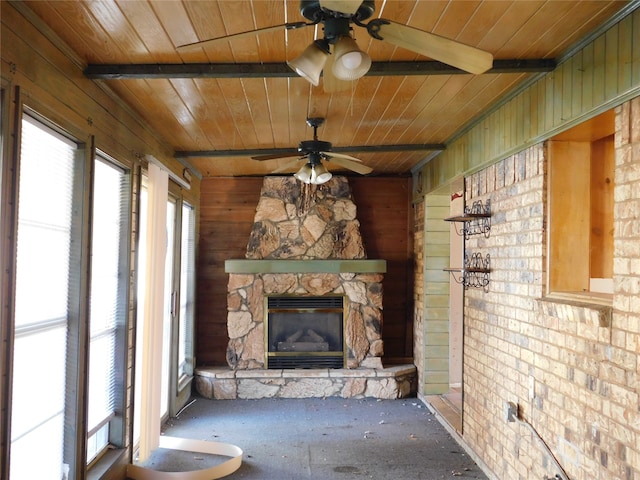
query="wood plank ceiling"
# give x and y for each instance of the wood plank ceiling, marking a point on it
(200, 114)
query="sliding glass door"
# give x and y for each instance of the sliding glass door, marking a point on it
(178, 311)
(183, 329)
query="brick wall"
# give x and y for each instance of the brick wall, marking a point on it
(572, 369)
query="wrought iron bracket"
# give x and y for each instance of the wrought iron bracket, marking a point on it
(475, 272)
(475, 220)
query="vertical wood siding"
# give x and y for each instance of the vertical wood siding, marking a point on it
(601, 75)
(228, 207)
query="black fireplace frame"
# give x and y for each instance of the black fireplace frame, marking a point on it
(292, 303)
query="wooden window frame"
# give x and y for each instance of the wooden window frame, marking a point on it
(581, 166)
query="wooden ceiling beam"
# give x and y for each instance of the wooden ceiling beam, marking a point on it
(288, 151)
(267, 70)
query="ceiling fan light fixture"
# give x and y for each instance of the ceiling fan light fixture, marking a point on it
(305, 174)
(313, 174)
(310, 63)
(322, 175)
(350, 63)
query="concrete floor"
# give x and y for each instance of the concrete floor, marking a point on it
(323, 439)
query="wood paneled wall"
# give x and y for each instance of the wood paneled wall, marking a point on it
(227, 208)
(386, 225)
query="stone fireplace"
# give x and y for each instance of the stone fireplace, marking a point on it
(305, 246)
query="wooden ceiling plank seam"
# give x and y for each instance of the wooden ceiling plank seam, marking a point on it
(240, 16)
(267, 14)
(448, 90)
(298, 96)
(544, 20)
(424, 95)
(223, 118)
(499, 87)
(376, 108)
(63, 17)
(206, 22)
(182, 120)
(233, 94)
(218, 116)
(278, 118)
(456, 18)
(571, 23)
(388, 105)
(187, 91)
(119, 28)
(358, 105)
(150, 31)
(479, 87)
(502, 35)
(485, 17)
(346, 126)
(380, 103)
(405, 94)
(446, 129)
(256, 97)
(177, 24)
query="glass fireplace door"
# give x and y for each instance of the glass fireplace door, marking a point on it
(305, 332)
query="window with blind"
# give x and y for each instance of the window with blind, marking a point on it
(44, 274)
(187, 294)
(108, 299)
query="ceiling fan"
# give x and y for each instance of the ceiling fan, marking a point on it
(313, 152)
(339, 51)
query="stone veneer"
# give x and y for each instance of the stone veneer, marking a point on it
(317, 224)
(295, 221)
(363, 314)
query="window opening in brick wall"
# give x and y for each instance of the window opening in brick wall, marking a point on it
(580, 214)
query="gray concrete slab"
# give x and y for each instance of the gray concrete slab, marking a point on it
(323, 439)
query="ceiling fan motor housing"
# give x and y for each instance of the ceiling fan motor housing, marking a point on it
(312, 10)
(308, 146)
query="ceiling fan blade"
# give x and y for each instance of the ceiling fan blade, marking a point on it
(343, 6)
(213, 41)
(341, 155)
(288, 166)
(273, 156)
(351, 165)
(456, 54)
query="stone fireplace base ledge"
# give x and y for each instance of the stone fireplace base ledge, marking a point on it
(223, 383)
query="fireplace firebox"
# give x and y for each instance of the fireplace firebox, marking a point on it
(304, 332)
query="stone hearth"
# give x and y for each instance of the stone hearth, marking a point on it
(305, 241)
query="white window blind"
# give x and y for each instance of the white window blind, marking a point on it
(187, 292)
(107, 308)
(41, 312)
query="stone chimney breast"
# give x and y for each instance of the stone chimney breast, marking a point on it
(305, 241)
